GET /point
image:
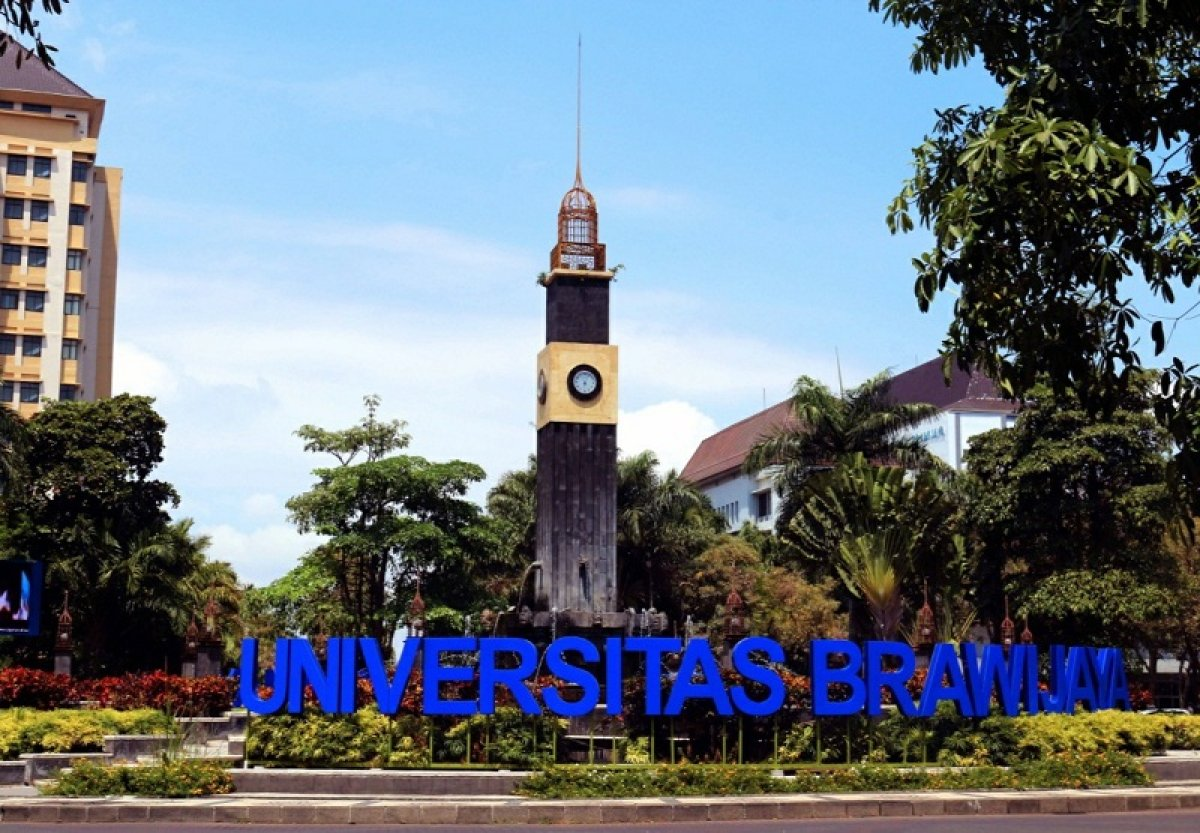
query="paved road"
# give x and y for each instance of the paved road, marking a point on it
(1163, 821)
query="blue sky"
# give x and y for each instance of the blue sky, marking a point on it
(327, 200)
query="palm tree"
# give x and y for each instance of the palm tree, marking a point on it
(823, 426)
(512, 507)
(662, 521)
(873, 567)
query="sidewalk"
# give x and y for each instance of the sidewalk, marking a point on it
(326, 809)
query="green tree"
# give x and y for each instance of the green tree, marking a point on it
(512, 506)
(1067, 218)
(823, 426)
(779, 602)
(393, 522)
(885, 532)
(1062, 495)
(303, 602)
(662, 522)
(88, 506)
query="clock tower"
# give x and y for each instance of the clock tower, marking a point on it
(577, 426)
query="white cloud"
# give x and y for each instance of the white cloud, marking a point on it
(95, 54)
(671, 429)
(262, 505)
(136, 371)
(122, 28)
(260, 555)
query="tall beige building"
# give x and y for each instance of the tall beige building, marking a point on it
(58, 259)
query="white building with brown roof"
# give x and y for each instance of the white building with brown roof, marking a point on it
(969, 406)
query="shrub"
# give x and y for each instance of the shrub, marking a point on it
(507, 737)
(317, 739)
(39, 689)
(27, 730)
(1110, 769)
(1044, 735)
(181, 696)
(1068, 769)
(172, 779)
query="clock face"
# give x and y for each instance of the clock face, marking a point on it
(584, 382)
(541, 386)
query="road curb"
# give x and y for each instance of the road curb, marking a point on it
(495, 810)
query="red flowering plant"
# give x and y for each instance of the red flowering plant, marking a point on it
(182, 696)
(39, 689)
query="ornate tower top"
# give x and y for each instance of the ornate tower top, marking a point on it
(578, 246)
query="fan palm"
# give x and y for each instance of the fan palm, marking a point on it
(873, 567)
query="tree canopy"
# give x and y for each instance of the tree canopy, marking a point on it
(1066, 219)
(394, 522)
(84, 500)
(1061, 495)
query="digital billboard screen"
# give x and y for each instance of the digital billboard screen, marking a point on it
(20, 597)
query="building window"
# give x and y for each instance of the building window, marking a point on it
(7, 390)
(31, 391)
(730, 512)
(73, 305)
(8, 299)
(6, 105)
(74, 258)
(38, 255)
(68, 393)
(761, 501)
(17, 165)
(79, 171)
(14, 209)
(30, 107)
(39, 211)
(8, 347)
(77, 215)
(31, 345)
(10, 255)
(35, 301)
(41, 167)
(70, 349)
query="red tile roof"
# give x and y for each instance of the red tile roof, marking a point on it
(722, 453)
(725, 450)
(33, 75)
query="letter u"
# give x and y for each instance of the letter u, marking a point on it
(248, 677)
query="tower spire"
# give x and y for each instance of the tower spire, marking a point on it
(579, 114)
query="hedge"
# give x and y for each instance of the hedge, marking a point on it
(173, 779)
(1061, 770)
(25, 730)
(181, 696)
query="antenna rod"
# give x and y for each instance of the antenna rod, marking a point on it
(579, 112)
(838, 358)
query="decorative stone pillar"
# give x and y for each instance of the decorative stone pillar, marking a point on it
(191, 647)
(211, 654)
(64, 642)
(735, 625)
(416, 615)
(1008, 630)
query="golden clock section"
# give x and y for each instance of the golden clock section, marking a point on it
(556, 361)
